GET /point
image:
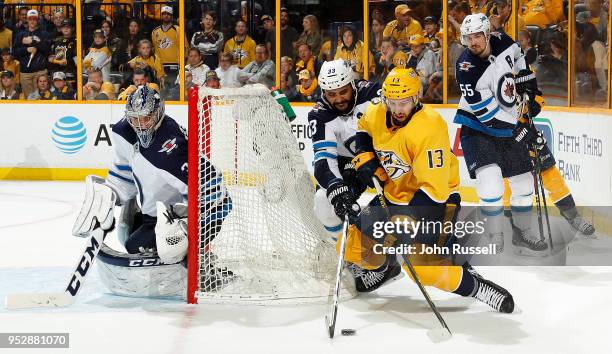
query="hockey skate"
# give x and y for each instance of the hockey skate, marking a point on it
(527, 244)
(581, 225)
(213, 278)
(369, 280)
(490, 293)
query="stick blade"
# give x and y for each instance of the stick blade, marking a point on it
(439, 335)
(28, 301)
(330, 327)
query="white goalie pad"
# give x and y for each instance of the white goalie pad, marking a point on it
(171, 232)
(98, 205)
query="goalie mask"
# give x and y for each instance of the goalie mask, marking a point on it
(144, 111)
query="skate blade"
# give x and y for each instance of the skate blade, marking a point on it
(439, 335)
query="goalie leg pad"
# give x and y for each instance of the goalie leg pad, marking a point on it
(98, 205)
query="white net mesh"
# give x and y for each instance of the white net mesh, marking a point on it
(270, 248)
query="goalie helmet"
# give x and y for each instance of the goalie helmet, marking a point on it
(473, 24)
(144, 111)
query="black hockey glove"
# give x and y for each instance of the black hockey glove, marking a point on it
(343, 200)
(368, 166)
(526, 83)
(528, 134)
(351, 178)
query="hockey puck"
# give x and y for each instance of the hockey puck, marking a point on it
(348, 332)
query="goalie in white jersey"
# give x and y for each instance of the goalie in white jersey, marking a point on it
(492, 135)
(150, 170)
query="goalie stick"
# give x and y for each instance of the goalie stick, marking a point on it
(75, 283)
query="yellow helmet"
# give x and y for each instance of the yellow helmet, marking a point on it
(401, 83)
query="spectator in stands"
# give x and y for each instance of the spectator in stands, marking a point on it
(391, 57)
(212, 80)
(307, 60)
(455, 18)
(308, 89)
(479, 6)
(311, 33)
(99, 55)
(403, 26)
(166, 38)
(228, 72)
(259, 71)
(431, 30)
(96, 88)
(209, 41)
(42, 91)
(63, 53)
(9, 63)
(195, 70)
(139, 78)
(134, 35)
(351, 50)
(6, 35)
(31, 49)
(591, 62)
(241, 46)
(553, 67)
(325, 53)
(9, 89)
(531, 54)
(58, 18)
(22, 22)
(376, 34)
(269, 38)
(61, 90)
(288, 78)
(501, 16)
(113, 43)
(148, 61)
(542, 13)
(595, 13)
(288, 35)
(421, 58)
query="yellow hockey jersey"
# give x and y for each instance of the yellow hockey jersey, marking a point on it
(416, 156)
(243, 52)
(166, 44)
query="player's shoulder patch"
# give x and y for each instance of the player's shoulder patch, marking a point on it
(470, 68)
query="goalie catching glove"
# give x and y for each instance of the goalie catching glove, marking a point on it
(368, 166)
(98, 206)
(171, 232)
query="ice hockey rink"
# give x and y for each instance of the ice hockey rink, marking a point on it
(562, 309)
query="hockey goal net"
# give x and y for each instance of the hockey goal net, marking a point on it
(264, 245)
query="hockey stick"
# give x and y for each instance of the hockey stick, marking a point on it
(75, 284)
(537, 181)
(330, 321)
(436, 335)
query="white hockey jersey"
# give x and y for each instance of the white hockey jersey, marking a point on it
(333, 134)
(156, 173)
(488, 96)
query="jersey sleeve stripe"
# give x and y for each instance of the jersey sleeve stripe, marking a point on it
(123, 167)
(489, 116)
(481, 104)
(116, 175)
(322, 155)
(213, 182)
(324, 144)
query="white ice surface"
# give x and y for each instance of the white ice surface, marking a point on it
(563, 309)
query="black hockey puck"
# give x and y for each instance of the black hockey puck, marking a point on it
(348, 332)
